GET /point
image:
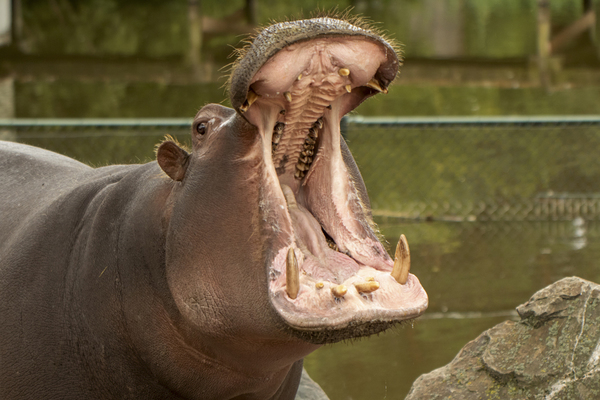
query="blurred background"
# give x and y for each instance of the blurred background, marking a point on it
(485, 152)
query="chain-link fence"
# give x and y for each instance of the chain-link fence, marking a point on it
(479, 169)
(450, 169)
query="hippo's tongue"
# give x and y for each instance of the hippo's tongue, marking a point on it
(322, 261)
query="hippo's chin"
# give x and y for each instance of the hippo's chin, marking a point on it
(329, 276)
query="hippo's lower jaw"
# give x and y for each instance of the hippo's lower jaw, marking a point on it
(330, 277)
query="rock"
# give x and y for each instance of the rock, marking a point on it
(553, 352)
(309, 389)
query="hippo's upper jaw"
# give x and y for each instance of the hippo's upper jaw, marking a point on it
(329, 276)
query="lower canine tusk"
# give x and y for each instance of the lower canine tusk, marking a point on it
(292, 276)
(402, 261)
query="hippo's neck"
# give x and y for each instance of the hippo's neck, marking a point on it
(122, 303)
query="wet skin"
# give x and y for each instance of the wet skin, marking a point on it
(207, 274)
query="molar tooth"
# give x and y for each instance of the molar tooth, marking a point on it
(288, 96)
(373, 84)
(319, 285)
(348, 88)
(402, 261)
(299, 174)
(344, 71)
(339, 291)
(279, 127)
(302, 166)
(367, 287)
(292, 276)
(319, 123)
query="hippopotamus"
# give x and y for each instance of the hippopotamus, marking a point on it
(212, 271)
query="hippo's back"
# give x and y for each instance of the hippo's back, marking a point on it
(32, 178)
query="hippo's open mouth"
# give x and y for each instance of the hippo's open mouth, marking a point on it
(330, 277)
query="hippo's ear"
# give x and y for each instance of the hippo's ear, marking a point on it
(172, 159)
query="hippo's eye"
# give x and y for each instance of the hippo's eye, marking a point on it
(201, 128)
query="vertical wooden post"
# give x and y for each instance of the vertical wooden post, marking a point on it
(543, 41)
(195, 33)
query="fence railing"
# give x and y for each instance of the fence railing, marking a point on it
(450, 168)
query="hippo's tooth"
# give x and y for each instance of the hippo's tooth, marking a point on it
(250, 98)
(367, 287)
(299, 76)
(292, 276)
(319, 285)
(348, 88)
(402, 261)
(289, 197)
(339, 290)
(373, 84)
(344, 71)
(319, 123)
(288, 96)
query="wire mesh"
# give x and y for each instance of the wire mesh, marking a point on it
(501, 169)
(507, 170)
